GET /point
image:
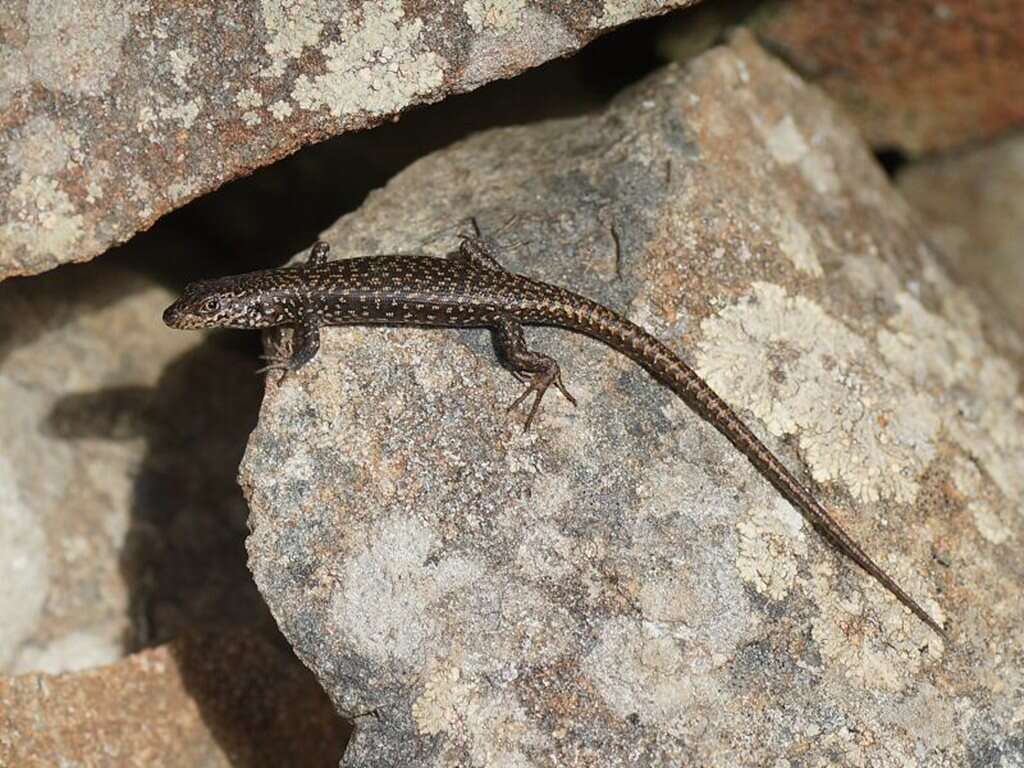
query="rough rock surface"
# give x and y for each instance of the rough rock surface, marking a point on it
(619, 586)
(973, 202)
(115, 114)
(205, 701)
(917, 75)
(120, 520)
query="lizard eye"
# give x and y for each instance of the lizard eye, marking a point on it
(211, 305)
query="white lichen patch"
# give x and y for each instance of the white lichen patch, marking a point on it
(500, 733)
(184, 112)
(181, 61)
(281, 109)
(41, 147)
(389, 599)
(493, 14)
(924, 347)
(785, 142)
(969, 482)
(639, 667)
(770, 333)
(882, 648)
(867, 276)
(146, 119)
(444, 703)
(75, 48)
(486, 721)
(615, 12)
(770, 543)
(248, 98)
(976, 392)
(43, 219)
(377, 65)
(801, 371)
(819, 170)
(989, 523)
(292, 26)
(787, 146)
(796, 244)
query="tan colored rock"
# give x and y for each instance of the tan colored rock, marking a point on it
(914, 75)
(205, 701)
(116, 114)
(619, 586)
(973, 203)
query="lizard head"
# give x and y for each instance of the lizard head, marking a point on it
(225, 302)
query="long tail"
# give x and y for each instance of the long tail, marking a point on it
(607, 326)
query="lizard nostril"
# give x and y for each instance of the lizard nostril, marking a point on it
(171, 315)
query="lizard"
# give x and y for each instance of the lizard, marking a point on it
(469, 288)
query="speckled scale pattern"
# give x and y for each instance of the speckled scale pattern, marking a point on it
(419, 290)
(469, 288)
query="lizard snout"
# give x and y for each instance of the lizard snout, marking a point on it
(172, 315)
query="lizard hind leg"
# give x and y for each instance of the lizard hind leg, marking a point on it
(541, 371)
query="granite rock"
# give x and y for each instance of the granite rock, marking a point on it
(973, 203)
(115, 114)
(208, 700)
(121, 524)
(618, 586)
(917, 76)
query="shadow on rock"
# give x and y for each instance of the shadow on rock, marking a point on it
(184, 555)
(261, 705)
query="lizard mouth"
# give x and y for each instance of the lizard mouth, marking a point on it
(175, 318)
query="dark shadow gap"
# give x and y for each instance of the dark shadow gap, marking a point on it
(263, 219)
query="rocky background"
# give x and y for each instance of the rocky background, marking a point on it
(819, 204)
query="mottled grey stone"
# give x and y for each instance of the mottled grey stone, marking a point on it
(115, 114)
(618, 586)
(121, 524)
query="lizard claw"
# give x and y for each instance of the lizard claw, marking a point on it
(539, 384)
(562, 389)
(271, 367)
(275, 362)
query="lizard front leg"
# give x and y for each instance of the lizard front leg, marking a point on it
(305, 344)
